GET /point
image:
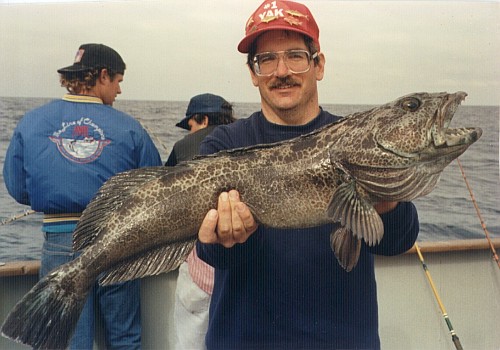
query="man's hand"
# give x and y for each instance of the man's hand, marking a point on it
(385, 207)
(231, 223)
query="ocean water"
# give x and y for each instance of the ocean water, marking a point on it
(445, 214)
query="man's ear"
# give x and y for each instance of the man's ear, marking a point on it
(104, 75)
(254, 77)
(320, 67)
(205, 121)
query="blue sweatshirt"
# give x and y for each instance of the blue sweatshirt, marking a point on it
(61, 153)
(284, 289)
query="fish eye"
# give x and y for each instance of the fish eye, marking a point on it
(411, 104)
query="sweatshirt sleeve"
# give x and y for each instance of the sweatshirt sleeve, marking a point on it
(401, 227)
(148, 153)
(14, 175)
(218, 256)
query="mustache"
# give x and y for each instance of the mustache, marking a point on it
(282, 82)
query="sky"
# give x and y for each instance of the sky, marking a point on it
(376, 51)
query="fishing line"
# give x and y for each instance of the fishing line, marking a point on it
(17, 217)
(155, 136)
(454, 336)
(483, 225)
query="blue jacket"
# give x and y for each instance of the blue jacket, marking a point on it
(284, 289)
(61, 153)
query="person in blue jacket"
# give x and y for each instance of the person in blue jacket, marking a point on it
(283, 288)
(59, 156)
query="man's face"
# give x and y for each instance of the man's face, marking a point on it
(110, 88)
(285, 92)
(194, 126)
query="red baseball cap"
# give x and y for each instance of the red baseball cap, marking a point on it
(276, 15)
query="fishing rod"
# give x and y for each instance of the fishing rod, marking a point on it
(483, 225)
(154, 135)
(17, 217)
(454, 336)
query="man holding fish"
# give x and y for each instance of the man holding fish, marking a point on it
(279, 288)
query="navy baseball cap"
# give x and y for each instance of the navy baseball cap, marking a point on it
(90, 56)
(202, 104)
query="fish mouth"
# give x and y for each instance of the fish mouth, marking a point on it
(462, 136)
(452, 140)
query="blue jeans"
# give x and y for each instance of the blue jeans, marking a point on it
(118, 305)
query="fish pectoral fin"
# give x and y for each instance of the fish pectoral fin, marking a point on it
(153, 262)
(346, 247)
(351, 207)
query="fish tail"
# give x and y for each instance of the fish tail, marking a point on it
(46, 317)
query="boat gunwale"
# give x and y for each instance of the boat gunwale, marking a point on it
(31, 267)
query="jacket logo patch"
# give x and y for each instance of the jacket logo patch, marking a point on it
(80, 141)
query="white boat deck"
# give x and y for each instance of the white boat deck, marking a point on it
(464, 273)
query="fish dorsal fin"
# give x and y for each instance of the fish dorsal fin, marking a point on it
(243, 150)
(346, 247)
(109, 198)
(153, 262)
(355, 212)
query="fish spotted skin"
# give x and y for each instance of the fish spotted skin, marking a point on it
(145, 221)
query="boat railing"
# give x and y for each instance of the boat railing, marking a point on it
(31, 267)
(19, 268)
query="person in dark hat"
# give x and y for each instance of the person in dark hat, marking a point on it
(203, 114)
(284, 288)
(59, 156)
(196, 278)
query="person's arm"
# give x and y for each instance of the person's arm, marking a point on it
(385, 207)
(401, 229)
(14, 173)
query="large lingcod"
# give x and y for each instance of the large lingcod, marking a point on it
(145, 221)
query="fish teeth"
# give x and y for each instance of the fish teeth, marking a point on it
(437, 136)
(457, 136)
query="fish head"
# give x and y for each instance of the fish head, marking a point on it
(398, 151)
(416, 128)
(395, 152)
